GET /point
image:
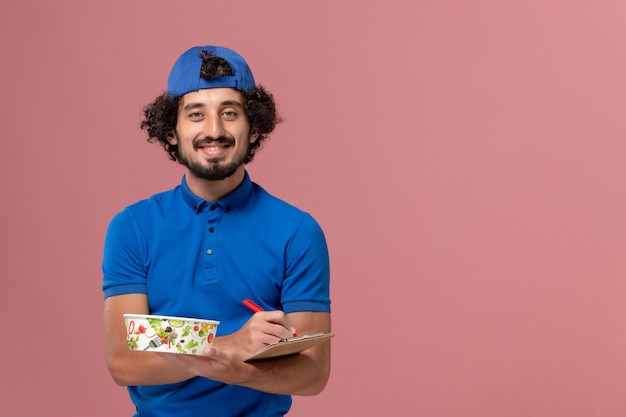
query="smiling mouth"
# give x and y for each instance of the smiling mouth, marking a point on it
(213, 150)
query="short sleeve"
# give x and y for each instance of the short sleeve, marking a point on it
(307, 277)
(124, 263)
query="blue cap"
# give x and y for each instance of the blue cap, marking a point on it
(185, 75)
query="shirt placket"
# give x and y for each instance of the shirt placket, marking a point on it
(211, 249)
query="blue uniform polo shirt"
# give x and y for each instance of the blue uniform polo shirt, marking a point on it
(195, 258)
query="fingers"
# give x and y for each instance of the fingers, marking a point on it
(273, 324)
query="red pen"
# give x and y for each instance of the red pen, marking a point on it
(255, 307)
(252, 305)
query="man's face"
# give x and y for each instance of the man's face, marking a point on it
(212, 133)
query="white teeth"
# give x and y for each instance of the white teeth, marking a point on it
(213, 148)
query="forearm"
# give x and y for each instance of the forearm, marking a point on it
(302, 374)
(144, 368)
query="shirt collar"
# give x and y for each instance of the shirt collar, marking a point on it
(235, 198)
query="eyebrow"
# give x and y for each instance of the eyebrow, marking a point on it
(191, 106)
(234, 103)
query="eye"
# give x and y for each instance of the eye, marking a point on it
(195, 115)
(230, 114)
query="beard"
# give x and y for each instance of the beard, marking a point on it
(214, 170)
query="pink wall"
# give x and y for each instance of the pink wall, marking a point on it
(466, 159)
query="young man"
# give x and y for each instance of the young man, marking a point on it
(201, 248)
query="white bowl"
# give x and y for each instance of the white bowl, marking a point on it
(169, 333)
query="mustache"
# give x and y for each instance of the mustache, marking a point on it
(207, 141)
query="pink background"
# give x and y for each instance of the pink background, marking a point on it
(466, 159)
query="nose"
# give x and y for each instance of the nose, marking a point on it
(214, 127)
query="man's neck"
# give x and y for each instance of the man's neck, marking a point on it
(214, 190)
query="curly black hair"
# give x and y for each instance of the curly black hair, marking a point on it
(160, 116)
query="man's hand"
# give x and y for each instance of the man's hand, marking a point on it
(264, 328)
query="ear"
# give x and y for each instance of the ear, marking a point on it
(254, 135)
(172, 138)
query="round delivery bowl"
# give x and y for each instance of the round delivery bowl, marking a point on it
(169, 334)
